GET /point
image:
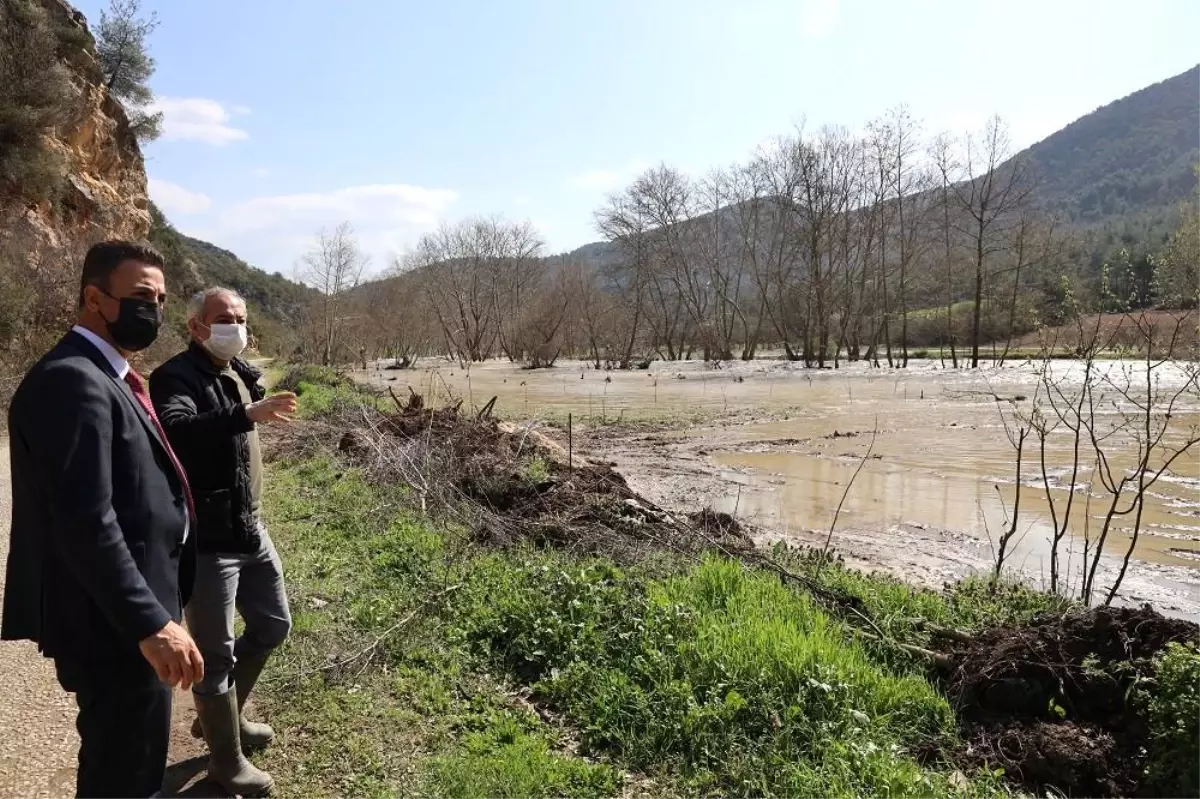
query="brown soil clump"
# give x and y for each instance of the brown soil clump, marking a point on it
(523, 486)
(1048, 702)
(710, 520)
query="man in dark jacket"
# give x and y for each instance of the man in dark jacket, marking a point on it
(210, 402)
(102, 546)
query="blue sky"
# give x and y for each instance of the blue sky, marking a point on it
(283, 117)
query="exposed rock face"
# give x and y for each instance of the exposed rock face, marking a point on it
(104, 191)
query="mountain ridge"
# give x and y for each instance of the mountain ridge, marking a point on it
(274, 302)
(1137, 150)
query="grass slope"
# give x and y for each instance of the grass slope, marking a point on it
(422, 664)
(426, 665)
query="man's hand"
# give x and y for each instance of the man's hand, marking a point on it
(275, 408)
(174, 656)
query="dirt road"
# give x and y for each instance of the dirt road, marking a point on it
(38, 742)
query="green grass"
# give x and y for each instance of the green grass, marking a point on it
(958, 310)
(716, 680)
(905, 611)
(712, 679)
(414, 650)
(514, 757)
(324, 391)
(416, 715)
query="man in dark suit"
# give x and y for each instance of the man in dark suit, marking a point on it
(101, 558)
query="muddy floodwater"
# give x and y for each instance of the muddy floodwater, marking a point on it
(777, 445)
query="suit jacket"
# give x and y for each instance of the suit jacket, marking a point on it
(95, 563)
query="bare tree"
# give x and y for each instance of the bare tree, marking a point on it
(516, 273)
(646, 271)
(827, 169)
(477, 276)
(543, 325)
(751, 211)
(392, 319)
(908, 183)
(1033, 245)
(1146, 415)
(334, 267)
(598, 315)
(941, 151)
(768, 236)
(988, 196)
(1111, 410)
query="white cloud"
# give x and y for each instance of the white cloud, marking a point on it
(174, 199)
(819, 18)
(261, 172)
(198, 119)
(608, 179)
(273, 231)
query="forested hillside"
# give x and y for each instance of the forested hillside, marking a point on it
(276, 304)
(1133, 156)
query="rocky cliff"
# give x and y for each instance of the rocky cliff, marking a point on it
(103, 192)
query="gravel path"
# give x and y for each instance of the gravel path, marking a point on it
(38, 742)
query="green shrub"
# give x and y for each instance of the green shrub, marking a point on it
(721, 676)
(35, 92)
(536, 470)
(324, 391)
(980, 602)
(1172, 706)
(903, 610)
(298, 377)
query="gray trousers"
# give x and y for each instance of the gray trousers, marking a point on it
(253, 584)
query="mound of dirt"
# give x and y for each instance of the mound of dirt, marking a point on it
(525, 487)
(588, 509)
(1048, 701)
(710, 520)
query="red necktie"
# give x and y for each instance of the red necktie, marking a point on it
(143, 397)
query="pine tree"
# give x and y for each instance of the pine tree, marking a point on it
(122, 51)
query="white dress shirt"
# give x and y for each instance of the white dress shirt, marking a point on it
(115, 359)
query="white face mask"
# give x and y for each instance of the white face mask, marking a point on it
(226, 342)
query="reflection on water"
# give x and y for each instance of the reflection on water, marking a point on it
(941, 457)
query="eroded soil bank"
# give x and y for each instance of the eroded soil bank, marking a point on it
(775, 445)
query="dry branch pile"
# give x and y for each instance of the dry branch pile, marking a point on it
(510, 484)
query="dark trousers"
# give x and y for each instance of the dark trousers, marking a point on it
(124, 725)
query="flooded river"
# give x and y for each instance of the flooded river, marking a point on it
(778, 445)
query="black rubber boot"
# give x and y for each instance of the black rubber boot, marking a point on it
(227, 764)
(254, 735)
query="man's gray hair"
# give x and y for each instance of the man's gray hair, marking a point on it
(200, 299)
